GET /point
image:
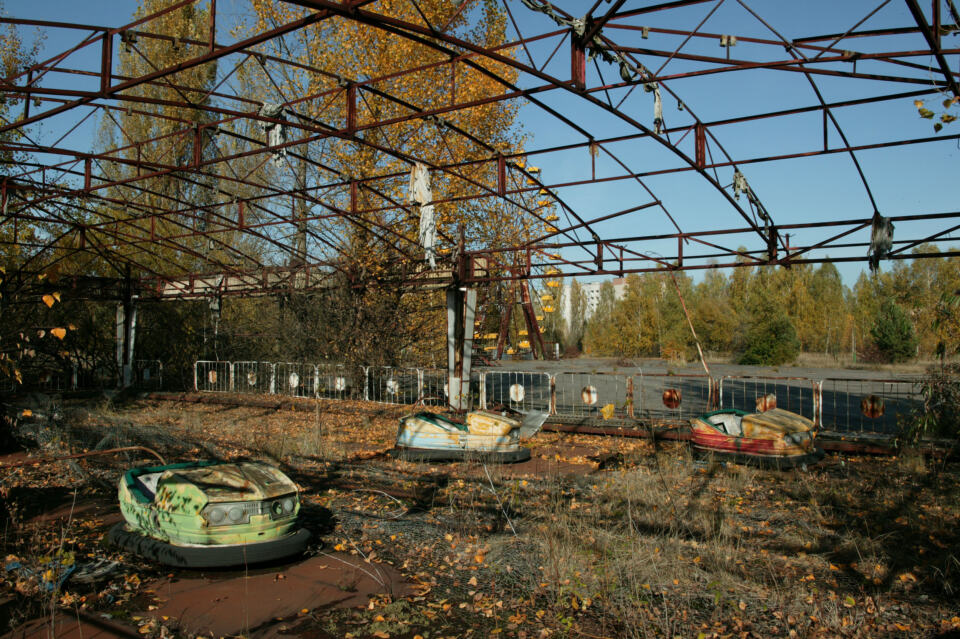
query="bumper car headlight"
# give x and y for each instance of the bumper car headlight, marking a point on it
(225, 514)
(229, 513)
(797, 438)
(282, 507)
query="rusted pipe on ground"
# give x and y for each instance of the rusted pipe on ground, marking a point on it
(93, 453)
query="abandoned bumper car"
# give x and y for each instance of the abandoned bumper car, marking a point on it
(481, 435)
(775, 438)
(209, 514)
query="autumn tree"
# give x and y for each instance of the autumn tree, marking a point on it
(19, 239)
(150, 133)
(947, 324)
(827, 314)
(714, 316)
(770, 340)
(363, 176)
(769, 337)
(893, 333)
(600, 337)
(575, 309)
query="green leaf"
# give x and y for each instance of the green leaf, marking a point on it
(937, 126)
(946, 117)
(926, 113)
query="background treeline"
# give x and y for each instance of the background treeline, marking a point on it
(770, 315)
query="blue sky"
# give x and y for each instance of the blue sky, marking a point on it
(905, 180)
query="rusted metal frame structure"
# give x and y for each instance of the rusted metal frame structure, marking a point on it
(423, 36)
(173, 168)
(513, 182)
(932, 36)
(801, 64)
(105, 71)
(582, 223)
(823, 104)
(592, 35)
(753, 257)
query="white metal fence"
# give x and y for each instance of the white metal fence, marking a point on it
(795, 394)
(843, 405)
(517, 390)
(253, 377)
(672, 398)
(336, 381)
(389, 385)
(295, 379)
(867, 406)
(581, 396)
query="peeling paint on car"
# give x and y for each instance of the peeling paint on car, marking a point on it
(174, 512)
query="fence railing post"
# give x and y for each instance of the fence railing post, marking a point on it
(637, 401)
(817, 403)
(553, 394)
(482, 383)
(629, 393)
(366, 383)
(195, 365)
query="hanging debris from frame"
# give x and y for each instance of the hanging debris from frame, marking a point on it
(740, 185)
(657, 105)
(881, 240)
(421, 194)
(629, 71)
(276, 132)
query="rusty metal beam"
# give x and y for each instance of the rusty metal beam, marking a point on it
(934, 41)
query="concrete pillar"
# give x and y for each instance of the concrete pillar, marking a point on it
(126, 337)
(461, 310)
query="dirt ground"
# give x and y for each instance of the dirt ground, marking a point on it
(593, 537)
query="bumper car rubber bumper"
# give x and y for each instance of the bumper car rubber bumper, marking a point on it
(774, 462)
(208, 556)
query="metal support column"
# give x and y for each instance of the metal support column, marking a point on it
(126, 337)
(461, 309)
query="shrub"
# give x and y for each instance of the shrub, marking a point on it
(939, 413)
(769, 342)
(893, 333)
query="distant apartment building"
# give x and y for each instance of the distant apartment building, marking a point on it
(591, 290)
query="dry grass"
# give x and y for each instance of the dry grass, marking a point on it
(659, 545)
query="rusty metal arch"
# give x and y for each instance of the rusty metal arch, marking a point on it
(631, 259)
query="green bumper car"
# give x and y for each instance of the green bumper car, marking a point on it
(209, 514)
